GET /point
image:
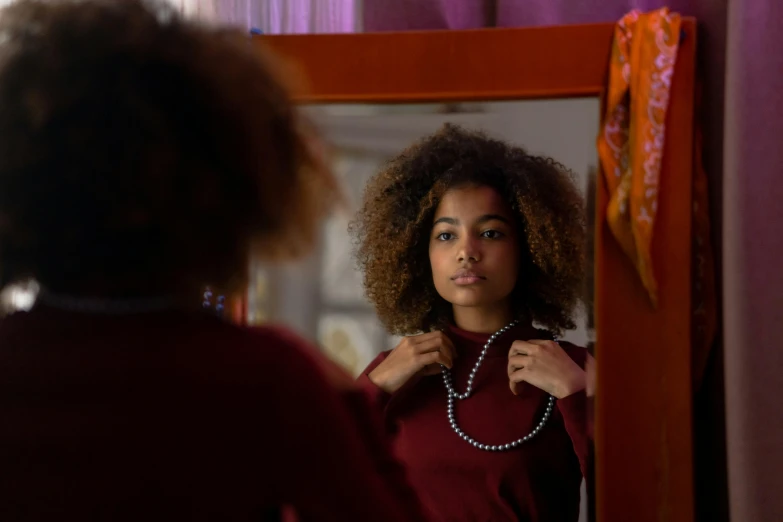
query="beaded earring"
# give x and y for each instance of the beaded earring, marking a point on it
(219, 306)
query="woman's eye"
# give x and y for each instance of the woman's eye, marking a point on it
(444, 236)
(491, 234)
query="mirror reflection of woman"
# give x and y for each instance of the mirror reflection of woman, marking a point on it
(479, 245)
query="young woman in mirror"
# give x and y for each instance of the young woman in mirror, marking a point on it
(480, 246)
(142, 156)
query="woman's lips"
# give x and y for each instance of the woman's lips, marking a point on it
(467, 280)
(467, 277)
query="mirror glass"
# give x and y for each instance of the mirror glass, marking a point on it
(322, 297)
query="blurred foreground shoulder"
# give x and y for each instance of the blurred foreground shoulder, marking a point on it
(289, 350)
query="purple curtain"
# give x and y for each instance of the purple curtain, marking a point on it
(753, 248)
(277, 16)
(744, 83)
(300, 16)
(400, 15)
(405, 15)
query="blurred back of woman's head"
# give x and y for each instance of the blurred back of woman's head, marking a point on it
(142, 154)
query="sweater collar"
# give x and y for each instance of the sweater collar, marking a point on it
(473, 342)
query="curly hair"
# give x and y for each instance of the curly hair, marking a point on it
(391, 230)
(142, 150)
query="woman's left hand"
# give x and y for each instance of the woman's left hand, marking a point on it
(545, 365)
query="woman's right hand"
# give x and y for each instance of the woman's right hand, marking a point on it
(415, 356)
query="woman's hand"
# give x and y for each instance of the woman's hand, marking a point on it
(545, 365)
(414, 356)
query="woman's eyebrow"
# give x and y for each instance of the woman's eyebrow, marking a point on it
(492, 217)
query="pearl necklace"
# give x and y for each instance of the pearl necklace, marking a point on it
(453, 394)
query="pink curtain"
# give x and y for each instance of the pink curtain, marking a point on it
(300, 16)
(752, 249)
(398, 15)
(402, 15)
(279, 16)
(744, 84)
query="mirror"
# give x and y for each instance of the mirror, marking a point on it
(323, 297)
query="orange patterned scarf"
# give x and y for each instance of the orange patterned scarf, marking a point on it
(630, 147)
(632, 136)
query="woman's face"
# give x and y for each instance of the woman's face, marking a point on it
(474, 251)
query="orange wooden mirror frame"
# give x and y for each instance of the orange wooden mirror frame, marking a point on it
(643, 411)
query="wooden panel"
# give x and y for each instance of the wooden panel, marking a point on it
(643, 407)
(489, 64)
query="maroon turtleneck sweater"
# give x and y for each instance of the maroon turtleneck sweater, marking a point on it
(180, 416)
(537, 482)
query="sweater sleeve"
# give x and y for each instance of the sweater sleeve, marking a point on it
(574, 411)
(334, 461)
(377, 396)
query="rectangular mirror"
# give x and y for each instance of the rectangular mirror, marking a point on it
(323, 297)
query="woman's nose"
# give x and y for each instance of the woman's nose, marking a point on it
(468, 251)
